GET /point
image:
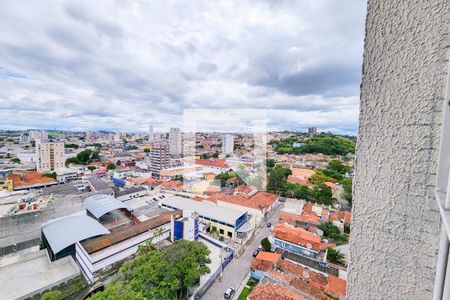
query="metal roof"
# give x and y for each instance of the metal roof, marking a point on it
(63, 232)
(204, 209)
(105, 241)
(98, 205)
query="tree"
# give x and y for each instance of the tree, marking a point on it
(52, 295)
(332, 231)
(265, 243)
(335, 256)
(215, 155)
(117, 291)
(50, 174)
(111, 166)
(277, 178)
(15, 160)
(337, 166)
(270, 163)
(146, 150)
(223, 177)
(72, 160)
(91, 168)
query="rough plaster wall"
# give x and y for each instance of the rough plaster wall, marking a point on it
(396, 223)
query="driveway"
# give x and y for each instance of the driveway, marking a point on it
(235, 272)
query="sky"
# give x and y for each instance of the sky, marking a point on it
(121, 65)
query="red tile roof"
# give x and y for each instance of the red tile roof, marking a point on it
(212, 162)
(298, 236)
(26, 178)
(260, 200)
(272, 291)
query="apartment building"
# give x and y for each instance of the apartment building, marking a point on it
(37, 135)
(159, 158)
(227, 144)
(50, 156)
(175, 141)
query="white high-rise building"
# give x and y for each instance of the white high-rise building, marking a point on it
(159, 158)
(151, 136)
(50, 156)
(38, 135)
(175, 141)
(227, 144)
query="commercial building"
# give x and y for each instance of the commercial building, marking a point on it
(185, 228)
(227, 144)
(228, 222)
(98, 254)
(175, 141)
(50, 156)
(159, 158)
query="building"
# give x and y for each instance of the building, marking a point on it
(151, 136)
(38, 135)
(400, 228)
(228, 222)
(25, 180)
(227, 144)
(175, 141)
(185, 228)
(159, 159)
(50, 156)
(258, 205)
(312, 130)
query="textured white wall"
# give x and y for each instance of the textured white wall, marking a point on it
(396, 223)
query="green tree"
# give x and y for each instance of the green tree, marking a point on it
(15, 160)
(91, 168)
(52, 295)
(277, 179)
(72, 160)
(223, 177)
(111, 166)
(337, 166)
(118, 291)
(331, 231)
(146, 150)
(265, 243)
(335, 256)
(50, 174)
(270, 163)
(215, 155)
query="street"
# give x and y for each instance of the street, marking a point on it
(235, 272)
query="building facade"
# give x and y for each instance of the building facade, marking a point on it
(38, 135)
(396, 222)
(50, 156)
(227, 144)
(175, 141)
(159, 159)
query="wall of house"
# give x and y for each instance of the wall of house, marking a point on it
(396, 223)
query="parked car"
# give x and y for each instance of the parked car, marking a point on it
(229, 293)
(269, 224)
(255, 253)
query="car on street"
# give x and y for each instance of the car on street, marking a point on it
(229, 293)
(255, 253)
(269, 224)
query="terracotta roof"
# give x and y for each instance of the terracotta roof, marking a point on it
(298, 236)
(302, 173)
(244, 189)
(27, 178)
(271, 291)
(213, 162)
(307, 207)
(260, 200)
(330, 185)
(310, 282)
(347, 217)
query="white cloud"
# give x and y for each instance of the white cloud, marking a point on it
(119, 65)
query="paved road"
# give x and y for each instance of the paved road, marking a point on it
(235, 272)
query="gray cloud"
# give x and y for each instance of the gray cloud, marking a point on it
(121, 65)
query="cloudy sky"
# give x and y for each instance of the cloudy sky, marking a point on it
(119, 65)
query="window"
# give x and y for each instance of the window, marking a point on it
(230, 234)
(221, 231)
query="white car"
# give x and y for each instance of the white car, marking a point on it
(229, 293)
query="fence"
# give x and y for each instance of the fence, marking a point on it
(19, 246)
